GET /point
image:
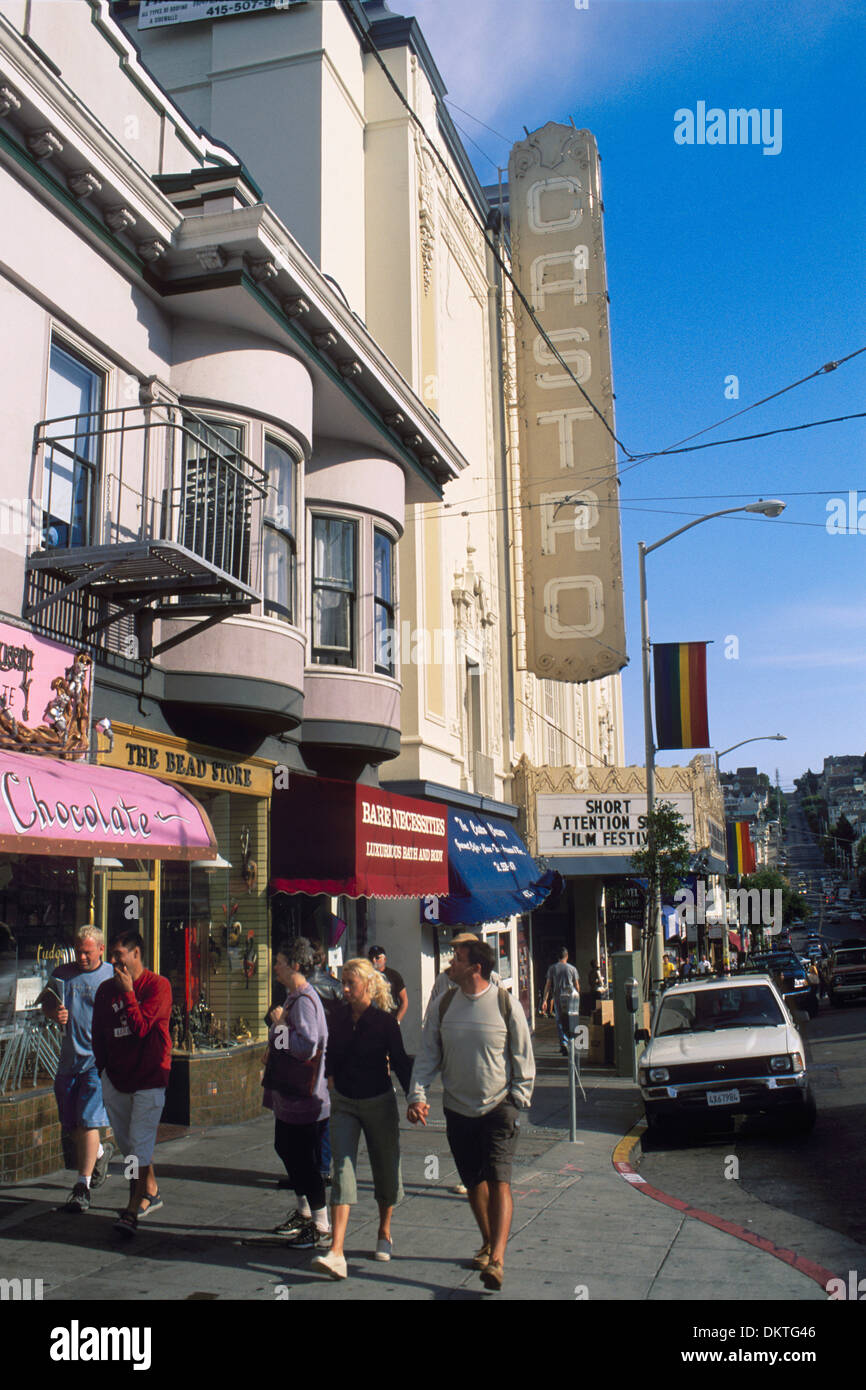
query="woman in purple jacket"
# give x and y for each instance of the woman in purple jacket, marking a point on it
(299, 1034)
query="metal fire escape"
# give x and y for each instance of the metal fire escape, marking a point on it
(148, 512)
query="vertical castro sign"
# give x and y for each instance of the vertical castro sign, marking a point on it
(575, 624)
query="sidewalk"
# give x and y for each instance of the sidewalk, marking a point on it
(580, 1230)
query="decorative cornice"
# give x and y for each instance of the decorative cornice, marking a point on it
(44, 144)
(72, 129)
(9, 102)
(120, 219)
(152, 250)
(211, 257)
(83, 183)
(263, 270)
(295, 306)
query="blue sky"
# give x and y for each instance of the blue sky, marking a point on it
(722, 261)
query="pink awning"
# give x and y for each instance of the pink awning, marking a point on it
(78, 809)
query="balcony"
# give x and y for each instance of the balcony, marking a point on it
(148, 512)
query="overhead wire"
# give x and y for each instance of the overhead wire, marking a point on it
(635, 459)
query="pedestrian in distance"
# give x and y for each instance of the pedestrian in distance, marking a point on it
(365, 1051)
(597, 985)
(68, 1000)
(478, 1039)
(297, 1093)
(561, 984)
(379, 961)
(132, 1050)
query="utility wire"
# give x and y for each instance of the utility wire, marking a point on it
(634, 459)
(497, 133)
(819, 371)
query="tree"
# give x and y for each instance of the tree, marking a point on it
(664, 863)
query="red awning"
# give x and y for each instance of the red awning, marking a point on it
(364, 842)
(80, 810)
(734, 940)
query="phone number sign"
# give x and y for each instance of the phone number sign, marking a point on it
(154, 13)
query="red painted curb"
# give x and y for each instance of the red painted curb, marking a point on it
(801, 1263)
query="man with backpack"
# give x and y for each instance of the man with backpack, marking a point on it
(477, 1037)
(562, 982)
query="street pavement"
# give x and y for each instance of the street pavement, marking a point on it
(581, 1230)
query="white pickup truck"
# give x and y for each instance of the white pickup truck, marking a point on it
(723, 1047)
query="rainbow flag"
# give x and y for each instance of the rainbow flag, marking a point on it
(741, 851)
(680, 674)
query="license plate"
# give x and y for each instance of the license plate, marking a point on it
(723, 1097)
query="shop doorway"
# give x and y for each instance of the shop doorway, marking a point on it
(129, 897)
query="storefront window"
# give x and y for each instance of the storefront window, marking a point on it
(214, 930)
(42, 903)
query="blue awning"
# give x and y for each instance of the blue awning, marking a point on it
(491, 874)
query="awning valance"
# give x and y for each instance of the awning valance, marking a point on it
(81, 810)
(341, 838)
(491, 875)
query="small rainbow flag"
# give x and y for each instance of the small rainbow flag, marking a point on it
(741, 851)
(680, 673)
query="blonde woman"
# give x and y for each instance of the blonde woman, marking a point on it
(365, 1047)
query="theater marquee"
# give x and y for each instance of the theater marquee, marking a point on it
(575, 624)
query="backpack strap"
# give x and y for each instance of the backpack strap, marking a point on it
(445, 1002)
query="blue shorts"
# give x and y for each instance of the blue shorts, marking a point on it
(79, 1100)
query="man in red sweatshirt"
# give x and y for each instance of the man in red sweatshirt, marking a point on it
(132, 1048)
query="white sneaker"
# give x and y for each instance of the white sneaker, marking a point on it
(334, 1265)
(384, 1249)
(459, 1190)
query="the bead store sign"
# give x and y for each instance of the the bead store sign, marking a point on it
(137, 751)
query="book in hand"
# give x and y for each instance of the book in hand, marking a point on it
(50, 997)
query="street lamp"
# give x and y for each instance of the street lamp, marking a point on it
(772, 507)
(759, 738)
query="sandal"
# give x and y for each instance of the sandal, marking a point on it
(154, 1202)
(492, 1275)
(126, 1223)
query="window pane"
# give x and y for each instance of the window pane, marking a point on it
(280, 468)
(332, 627)
(216, 496)
(278, 574)
(67, 482)
(383, 562)
(386, 638)
(334, 552)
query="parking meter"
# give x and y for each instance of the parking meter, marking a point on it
(632, 1003)
(571, 1019)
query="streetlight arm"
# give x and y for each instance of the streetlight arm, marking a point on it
(726, 511)
(759, 738)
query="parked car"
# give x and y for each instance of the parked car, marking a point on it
(790, 977)
(723, 1047)
(844, 973)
